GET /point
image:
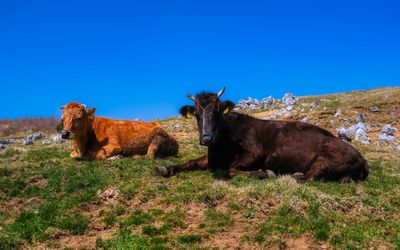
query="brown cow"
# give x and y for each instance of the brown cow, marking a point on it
(101, 138)
(245, 145)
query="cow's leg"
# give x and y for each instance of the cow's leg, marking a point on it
(107, 151)
(317, 170)
(198, 164)
(74, 154)
(162, 145)
(242, 162)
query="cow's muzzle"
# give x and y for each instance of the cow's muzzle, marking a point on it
(206, 140)
(65, 134)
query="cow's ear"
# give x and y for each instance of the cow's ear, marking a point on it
(227, 106)
(187, 111)
(90, 112)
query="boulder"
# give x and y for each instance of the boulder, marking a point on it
(387, 134)
(338, 113)
(289, 99)
(268, 101)
(374, 109)
(7, 141)
(46, 142)
(345, 134)
(360, 118)
(362, 136)
(27, 141)
(56, 138)
(289, 108)
(3, 146)
(305, 119)
(313, 105)
(34, 137)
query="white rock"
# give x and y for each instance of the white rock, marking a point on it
(56, 138)
(362, 136)
(46, 142)
(313, 105)
(305, 119)
(27, 141)
(360, 118)
(338, 112)
(387, 134)
(289, 99)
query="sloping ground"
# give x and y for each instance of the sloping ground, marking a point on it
(50, 201)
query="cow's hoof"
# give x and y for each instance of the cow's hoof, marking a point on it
(299, 176)
(115, 157)
(160, 170)
(346, 179)
(270, 173)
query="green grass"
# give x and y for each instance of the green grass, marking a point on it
(43, 193)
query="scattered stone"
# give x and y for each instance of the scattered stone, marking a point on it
(345, 134)
(34, 137)
(360, 130)
(27, 142)
(360, 118)
(387, 134)
(374, 109)
(338, 113)
(305, 119)
(313, 105)
(110, 195)
(3, 146)
(361, 134)
(268, 101)
(289, 99)
(46, 142)
(8, 141)
(398, 148)
(289, 108)
(56, 138)
(255, 104)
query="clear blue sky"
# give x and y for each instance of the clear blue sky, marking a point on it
(134, 59)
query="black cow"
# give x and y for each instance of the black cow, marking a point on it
(246, 145)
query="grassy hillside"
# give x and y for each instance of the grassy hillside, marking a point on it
(48, 200)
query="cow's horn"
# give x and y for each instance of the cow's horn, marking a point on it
(84, 106)
(62, 107)
(221, 92)
(191, 97)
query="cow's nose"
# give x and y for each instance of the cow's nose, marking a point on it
(65, 134)
(206, 138)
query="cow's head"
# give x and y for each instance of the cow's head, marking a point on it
(75, 119)
(209, 111)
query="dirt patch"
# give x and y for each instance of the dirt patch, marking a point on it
(85, 241)
(304, 242)
(110, 195)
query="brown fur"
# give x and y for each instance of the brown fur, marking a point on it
(101, 138)
(245, 145)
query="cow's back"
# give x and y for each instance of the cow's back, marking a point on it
(291, 146)
(133, 137)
